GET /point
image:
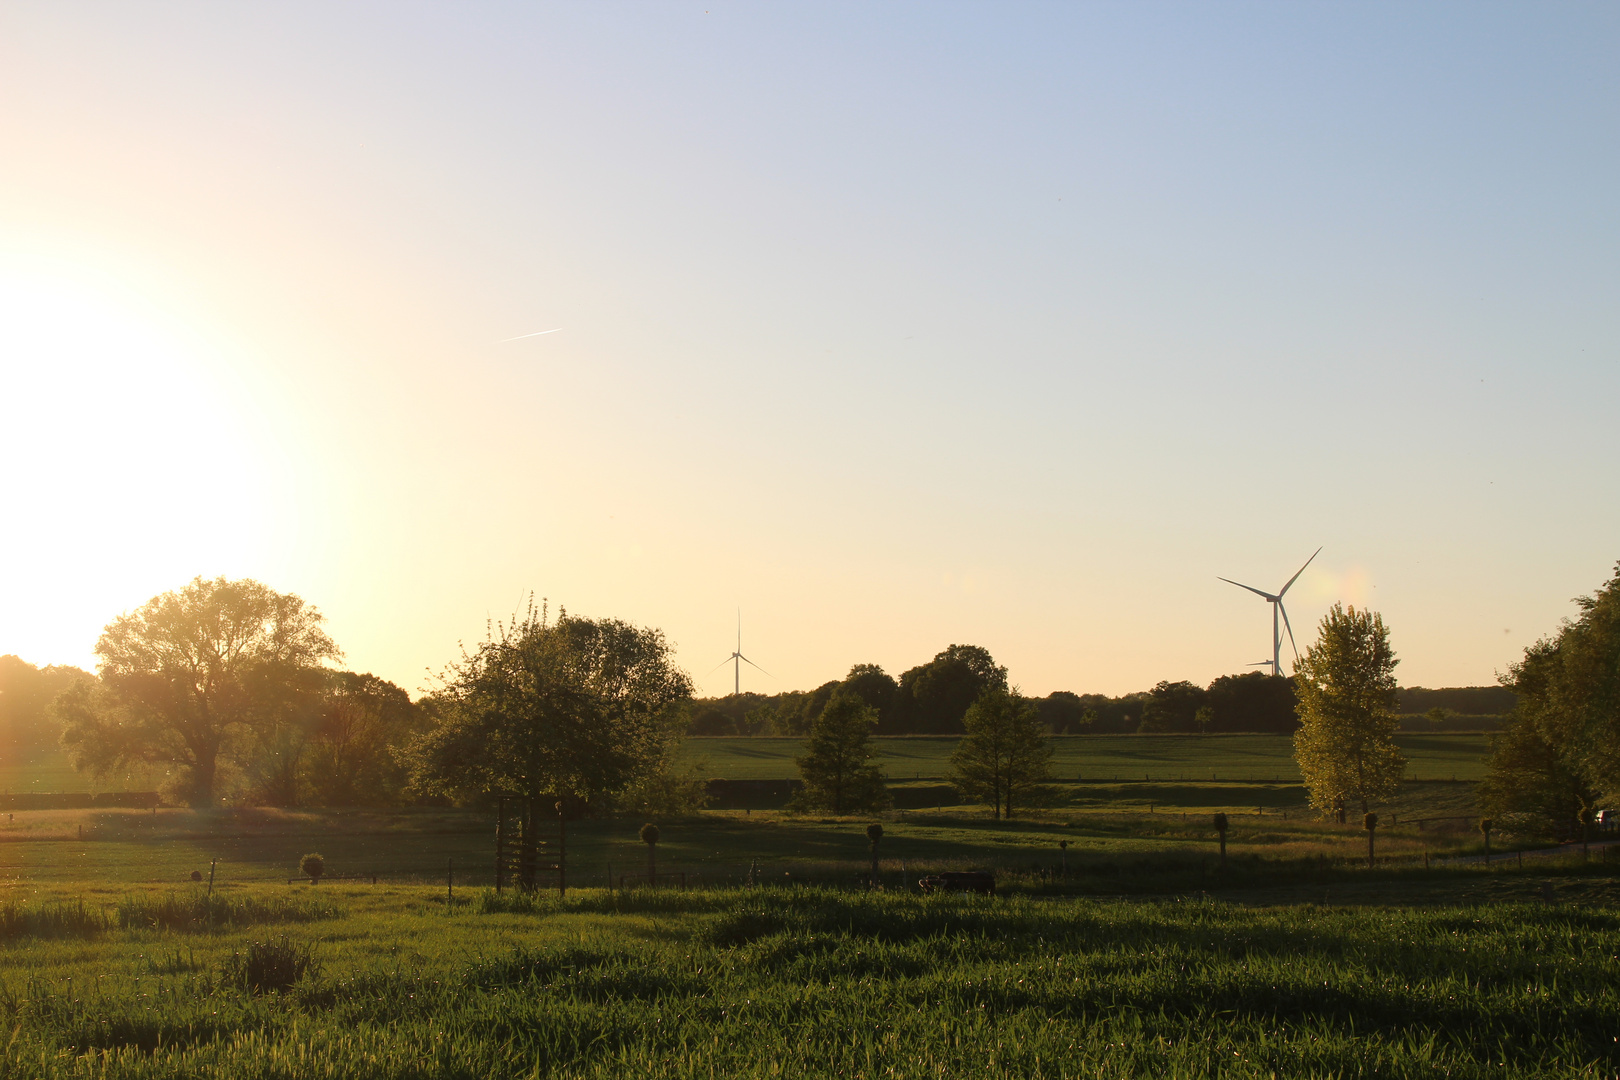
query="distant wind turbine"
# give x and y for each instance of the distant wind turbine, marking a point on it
(1276, 602)
(737, 660)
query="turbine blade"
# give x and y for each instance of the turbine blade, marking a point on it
(717, 667)
(1290, 633)
(1298, 572)
(1251, 588)
(753, 665)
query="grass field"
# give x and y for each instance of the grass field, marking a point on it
(803, 983)
(1098, 757)
(1132, 953)
(1089, 757)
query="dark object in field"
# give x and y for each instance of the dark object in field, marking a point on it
(312, 866)
(269, 966)
(1220, 827)
(649, 836)
(196, 875)
(975, 881)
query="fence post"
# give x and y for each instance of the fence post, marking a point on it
(449, 883)
(211, 864)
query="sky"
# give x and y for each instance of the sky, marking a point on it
(879, 327)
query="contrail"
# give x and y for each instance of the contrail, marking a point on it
(520, 337)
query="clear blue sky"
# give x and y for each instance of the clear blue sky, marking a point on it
(892, 325)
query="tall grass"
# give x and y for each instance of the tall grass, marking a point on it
(53, 919)
(196, 911)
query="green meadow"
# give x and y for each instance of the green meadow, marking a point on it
(1119, 943)
(354, 980)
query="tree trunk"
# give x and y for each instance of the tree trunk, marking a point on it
(562, 848)
(527, 847)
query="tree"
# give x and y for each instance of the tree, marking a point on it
(1531, 783)
(27, 723)
(1346, 684)
(934, 698)
(359, 723)
(189, 676)
(836, 770)
(1253, 701)
(1567, 716)
(874, 686)
(559, 713)
(1004, 757)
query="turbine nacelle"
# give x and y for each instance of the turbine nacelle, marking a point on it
(1277, 608)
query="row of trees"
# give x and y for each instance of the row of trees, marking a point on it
(1003, 759)
(226, 689)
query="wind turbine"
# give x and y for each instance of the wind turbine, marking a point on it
(737, 660)
(1276, 602)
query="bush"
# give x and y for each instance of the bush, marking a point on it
(312, 866)
(269, 966)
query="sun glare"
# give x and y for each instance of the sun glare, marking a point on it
(130, 467)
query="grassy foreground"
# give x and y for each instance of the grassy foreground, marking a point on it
(801, 982)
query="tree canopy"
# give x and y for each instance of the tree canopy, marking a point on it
(574, 709)
(187, 679)
(1346, 740)
(932, 699)
(1561, 748)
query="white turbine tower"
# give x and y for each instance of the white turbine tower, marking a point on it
(737, 660)
(1276, 602)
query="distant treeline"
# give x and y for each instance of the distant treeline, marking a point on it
(932, 698)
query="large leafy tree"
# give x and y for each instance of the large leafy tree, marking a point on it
(558, 712)
(1561, 748)
(188, 678)
(1345, 744)
(836, 771)
(1004, 757)
(933, 698)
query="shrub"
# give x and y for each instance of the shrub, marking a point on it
(312, 866)
(269, 966)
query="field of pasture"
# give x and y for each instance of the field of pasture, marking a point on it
(355, 980)
(1106, 758)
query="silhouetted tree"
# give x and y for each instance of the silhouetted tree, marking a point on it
(933, 698)
(186, 679)
(836, 770)
(557, 712)
(874, 686)
(1004, 756)
(1253, 701)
